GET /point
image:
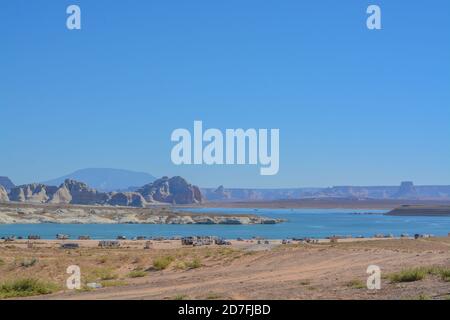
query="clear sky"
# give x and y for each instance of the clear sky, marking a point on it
(354, 107)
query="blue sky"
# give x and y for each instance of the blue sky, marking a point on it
(354, 107)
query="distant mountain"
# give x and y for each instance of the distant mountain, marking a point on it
(406, 191)
(106, 180)
(6, 183)
(243, 194)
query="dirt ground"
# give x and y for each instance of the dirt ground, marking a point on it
(245, 270)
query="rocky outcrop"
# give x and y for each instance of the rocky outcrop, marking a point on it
(3, 194)
(69, 192)
(17, 194)
(62, 196)
(82, 194)
(34, 193)
(198, 197)
(6, 183)
(219, 194)
(127, 199)
(174, 190)
(406, 191)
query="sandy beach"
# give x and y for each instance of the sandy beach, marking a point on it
(243, 270)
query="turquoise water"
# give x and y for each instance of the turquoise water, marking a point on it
(301, 223)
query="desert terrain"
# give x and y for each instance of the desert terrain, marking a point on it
(411, 269)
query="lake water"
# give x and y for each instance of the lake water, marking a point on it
(316, 223)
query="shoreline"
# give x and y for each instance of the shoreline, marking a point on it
(27, 213)
(421, 211)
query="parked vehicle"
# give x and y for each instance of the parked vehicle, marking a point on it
(108, 244)
(69, 246)
(198, 241)
(223, 242)
(61, 236)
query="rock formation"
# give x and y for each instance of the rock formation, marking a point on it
(62, 195)
(127, 199)
(6, 183)
(3, 194)
(174, 190)
(34, 193)
(82, 194)
(406, 191)
(198, 197)
(219, 194)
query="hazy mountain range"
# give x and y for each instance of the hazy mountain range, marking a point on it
(407, 190)
(106, 180)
